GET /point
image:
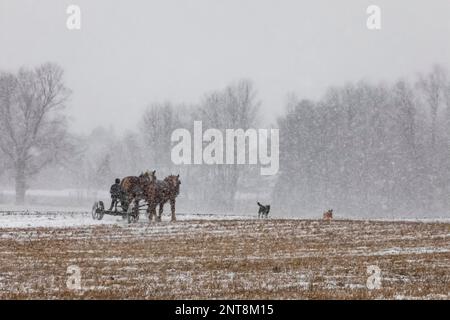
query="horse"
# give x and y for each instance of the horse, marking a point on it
(328, 215)
(161, 192)
(133, 187)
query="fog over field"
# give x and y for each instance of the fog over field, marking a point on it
(224, 149)
(363, 115)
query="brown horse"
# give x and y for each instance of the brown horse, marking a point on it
(133, 187)
(161, 192)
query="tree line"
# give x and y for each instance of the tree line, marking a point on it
(361, 148)
(369, 149)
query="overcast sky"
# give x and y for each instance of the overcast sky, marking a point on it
(131, 53)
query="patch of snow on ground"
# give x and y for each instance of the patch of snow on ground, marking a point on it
(61, 219)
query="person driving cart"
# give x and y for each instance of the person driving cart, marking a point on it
(115, 192)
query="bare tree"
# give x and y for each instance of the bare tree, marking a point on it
(367, 148)
(158, 122)
(433, 87)
(235, 107)
(32, 131)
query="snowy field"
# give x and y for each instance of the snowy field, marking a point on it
(57, 217)
(227, 256)
(25, 218)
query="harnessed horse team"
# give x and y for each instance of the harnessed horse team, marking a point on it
(154, 192)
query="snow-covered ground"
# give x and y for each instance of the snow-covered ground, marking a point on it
(60, 217)
(63, 193)
(55, 219)
(205, 256)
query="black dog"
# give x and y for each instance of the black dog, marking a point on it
(263, 210)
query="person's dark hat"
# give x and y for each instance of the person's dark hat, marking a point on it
(117, 180)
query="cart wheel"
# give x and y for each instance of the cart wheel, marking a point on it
(101, 212)
(94, 210)
(94, 207)
(98, 210)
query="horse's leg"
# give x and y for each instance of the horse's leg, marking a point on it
(172, 208)
(136, 209)
(153, 214)
(149, 211)
(153, 210)
(161, 210)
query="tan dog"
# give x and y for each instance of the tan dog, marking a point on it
(328, 215)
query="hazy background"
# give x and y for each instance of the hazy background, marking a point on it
(364, 115)
(129, 53)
